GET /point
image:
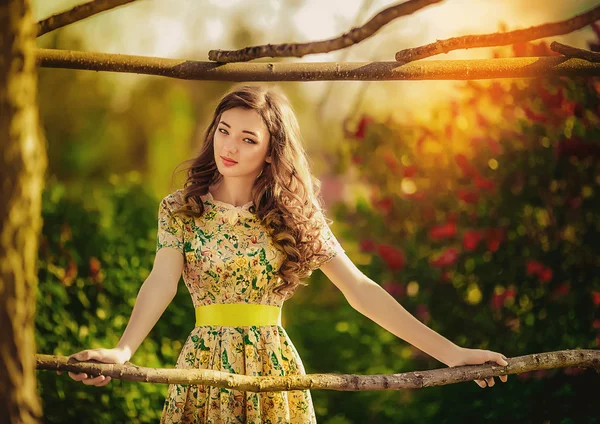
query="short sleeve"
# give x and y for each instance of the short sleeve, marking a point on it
(330, 246)
(170, 228)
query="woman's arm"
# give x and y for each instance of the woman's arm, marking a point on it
(368, 298)
(154, 296)
(371, 300)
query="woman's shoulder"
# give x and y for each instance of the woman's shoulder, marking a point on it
(176, 199)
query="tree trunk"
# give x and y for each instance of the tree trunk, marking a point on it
(22, 166)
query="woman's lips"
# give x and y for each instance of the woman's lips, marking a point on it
(227, 162)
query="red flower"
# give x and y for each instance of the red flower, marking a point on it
(463, 163)
(551, 101)
(596, 297)
(496, 92)
(468, 196)
(534, 267)
(481, 120)
(417, 195)
(494, 146)
(442, 231)
(367, 245)
(445, 277)
(484, 183)
(471, 239)
(385, 204)
(534, 116)
(562, 290)
(497, 301)
(576, 146)
(546, 275)
(391, 161)
(449, 257)
(95, 266)
(495, 236)
(395, 289)
(361, 129)
(520, 48)
(422, 312)
(596, 323)
(409, 171)
(393, 257)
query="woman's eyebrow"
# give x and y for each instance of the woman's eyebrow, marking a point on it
(246, 131)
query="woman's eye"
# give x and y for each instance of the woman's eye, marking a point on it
(224, 131)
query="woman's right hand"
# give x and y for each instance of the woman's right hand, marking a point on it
(109, 356)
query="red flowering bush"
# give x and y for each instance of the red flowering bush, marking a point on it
(488, 214)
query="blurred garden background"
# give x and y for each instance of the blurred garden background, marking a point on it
(476, 204)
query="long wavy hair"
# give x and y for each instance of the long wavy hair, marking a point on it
(285, 196)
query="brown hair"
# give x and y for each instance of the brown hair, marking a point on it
(284, 196)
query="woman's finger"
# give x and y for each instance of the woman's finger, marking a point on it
(85, 355)
(93, 381)
(104, 383)
(490, 381)
(481, 383)
(78, 376)
(504, 378)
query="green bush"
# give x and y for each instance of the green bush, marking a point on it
(96, 250)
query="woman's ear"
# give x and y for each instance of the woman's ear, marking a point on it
(268, 159)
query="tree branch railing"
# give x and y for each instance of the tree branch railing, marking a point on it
(570, 51)
(580, 63)
(76, 14)
(354, 36)
(499, 39)
(582, 358)
(521, 67)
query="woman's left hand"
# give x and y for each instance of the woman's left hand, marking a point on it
(479, 356)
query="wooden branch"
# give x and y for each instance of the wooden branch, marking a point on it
(77, 13)
(499, 39)
(582, 358)
(570, 52)
(523, 67)
(354, 36)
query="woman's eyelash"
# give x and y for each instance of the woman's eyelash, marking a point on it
(223, 129)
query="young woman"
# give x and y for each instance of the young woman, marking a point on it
(245, 230)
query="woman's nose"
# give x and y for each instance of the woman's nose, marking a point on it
(230, 145)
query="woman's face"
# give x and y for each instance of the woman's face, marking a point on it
(242, 136)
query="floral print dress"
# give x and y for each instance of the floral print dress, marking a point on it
(230, 258)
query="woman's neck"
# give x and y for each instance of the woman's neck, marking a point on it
(235, 194)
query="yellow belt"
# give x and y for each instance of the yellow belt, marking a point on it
(238, 315)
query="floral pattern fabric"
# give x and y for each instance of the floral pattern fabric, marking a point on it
(230, 258)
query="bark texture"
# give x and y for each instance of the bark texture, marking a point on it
(354, 36)
(76, 14)
(500, 38)
(518, 67)
(22, 167)
(582, 358)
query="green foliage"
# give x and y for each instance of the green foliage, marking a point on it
(93, 260)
